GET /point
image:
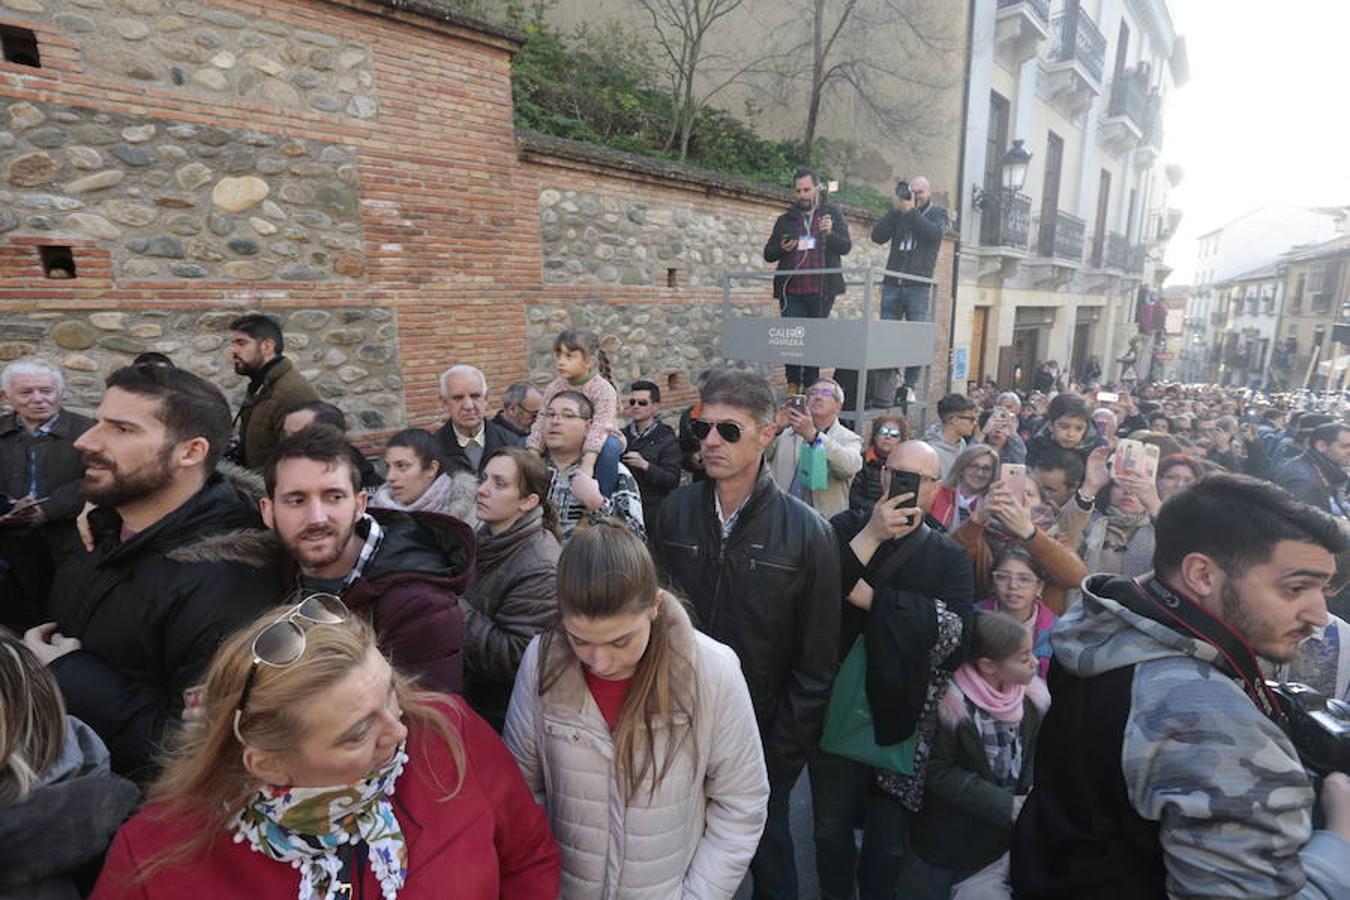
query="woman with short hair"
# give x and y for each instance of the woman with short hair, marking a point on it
(418, 480)
(317, 771)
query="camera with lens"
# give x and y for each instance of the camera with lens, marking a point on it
(1318, 726)
(902, 191)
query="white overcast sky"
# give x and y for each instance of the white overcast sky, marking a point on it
(1264, 116)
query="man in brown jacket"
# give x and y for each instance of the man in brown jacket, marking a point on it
(275, 386)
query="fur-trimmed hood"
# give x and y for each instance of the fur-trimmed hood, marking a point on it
(953, 710)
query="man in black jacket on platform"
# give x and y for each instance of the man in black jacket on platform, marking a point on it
(809, 235)
(178, 562)
(653, 454)
(762, 571)
(914, 227)
(907, 590)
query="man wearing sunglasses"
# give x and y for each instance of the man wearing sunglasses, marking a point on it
(762, 571)
(815, 457)
(177, 562)
(653, 454)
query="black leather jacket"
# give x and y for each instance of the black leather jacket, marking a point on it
(770, 591)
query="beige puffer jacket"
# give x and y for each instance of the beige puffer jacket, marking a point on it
(694, 837)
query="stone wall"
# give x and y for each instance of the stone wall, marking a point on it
(349, 355)
(175, 200)
(213, 52)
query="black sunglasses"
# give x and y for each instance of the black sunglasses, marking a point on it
(635, 402)
(282, 643)
(729, 431)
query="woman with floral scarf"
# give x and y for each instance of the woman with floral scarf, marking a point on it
(1118, 537)
(315, 771)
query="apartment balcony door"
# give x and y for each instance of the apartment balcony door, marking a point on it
(1099, 231)
(979, 331)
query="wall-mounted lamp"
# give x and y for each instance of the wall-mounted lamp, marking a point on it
(1013, 172)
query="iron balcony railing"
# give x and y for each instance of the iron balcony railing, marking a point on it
(1119, 253)
(1079, 40)
(1009, 223)
(1061, 236)
(1129, 97)
(1041, 8)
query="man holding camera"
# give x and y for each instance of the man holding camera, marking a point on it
(914, 227)
(811, 234)
(1166, 765)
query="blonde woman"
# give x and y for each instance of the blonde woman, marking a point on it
(638, 733)
(317, 772)
(59, 801)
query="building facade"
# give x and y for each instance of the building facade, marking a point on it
(1228, 258)
(1056, 269)
(1314, 327)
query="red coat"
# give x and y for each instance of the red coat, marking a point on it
(490, 840)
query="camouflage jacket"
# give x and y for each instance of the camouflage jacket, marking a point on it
(1223, 782)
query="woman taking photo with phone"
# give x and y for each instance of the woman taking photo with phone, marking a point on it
(637, 732)
(887, 433)
(318, 772)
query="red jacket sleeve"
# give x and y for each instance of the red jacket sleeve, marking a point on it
(118, 881)
(528, 858)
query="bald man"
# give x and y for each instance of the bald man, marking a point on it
(908, 589)
(914, 227)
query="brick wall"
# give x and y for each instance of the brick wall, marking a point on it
(447, 220)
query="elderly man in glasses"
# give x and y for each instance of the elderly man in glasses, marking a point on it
(815, 457)
(762, 571)
(653, 453)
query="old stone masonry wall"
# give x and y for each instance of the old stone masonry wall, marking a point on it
(181, 201)
(350, 355)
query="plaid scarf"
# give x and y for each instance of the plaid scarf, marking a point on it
(1002, 745)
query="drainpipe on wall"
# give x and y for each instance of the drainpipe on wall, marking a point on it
(960, 192)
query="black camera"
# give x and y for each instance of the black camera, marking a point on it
(1318, 726)
(902, 191)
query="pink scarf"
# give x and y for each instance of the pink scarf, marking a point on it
(1004, 705)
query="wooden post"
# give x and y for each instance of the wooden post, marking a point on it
(1312, 366)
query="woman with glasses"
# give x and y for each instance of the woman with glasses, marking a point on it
(637, 732)
(513, 596)
(318, 772)
(1019, 586)
(965, 485)
(888, 432)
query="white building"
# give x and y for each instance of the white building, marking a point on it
(1053, 271)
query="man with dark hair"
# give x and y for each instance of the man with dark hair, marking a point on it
(177, 565)
(1318, 476)
(952, 433)
(521, 403)
(576, 496)
(762, 571)
(401, 570)
(1059, 473)
(275, 386)
(1162, 767)
(321, 412)
(653, 453)
(808, 235)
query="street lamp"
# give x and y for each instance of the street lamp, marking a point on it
(1013, 173)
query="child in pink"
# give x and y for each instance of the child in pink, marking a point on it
(582, 366)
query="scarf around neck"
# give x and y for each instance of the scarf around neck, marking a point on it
(306, 827)
(436, 498)
(1004, 704)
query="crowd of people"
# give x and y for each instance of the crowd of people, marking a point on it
(564, 651)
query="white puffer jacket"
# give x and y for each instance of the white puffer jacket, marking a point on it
(692, 838)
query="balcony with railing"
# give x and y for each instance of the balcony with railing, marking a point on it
(1060, 238)
(1122, 127)
(1116, 253)
(1020, 28)
(1074, 72)
(1008, 224)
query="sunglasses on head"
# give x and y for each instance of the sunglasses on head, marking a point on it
(633, 401)
(281, 643)
(729, 431)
